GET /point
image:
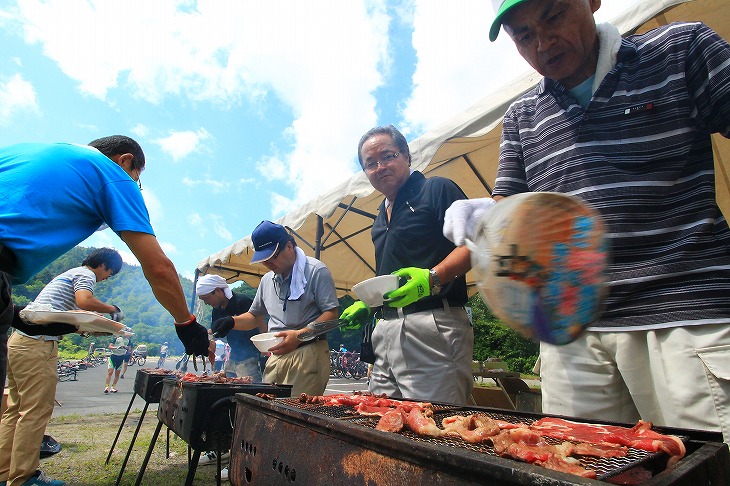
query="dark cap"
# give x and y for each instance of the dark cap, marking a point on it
(267, 237)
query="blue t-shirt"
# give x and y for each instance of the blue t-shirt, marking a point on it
(56, 195)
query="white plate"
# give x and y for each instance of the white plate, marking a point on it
(85, 321)
(371, 290)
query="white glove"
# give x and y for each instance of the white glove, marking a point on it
(462, 215)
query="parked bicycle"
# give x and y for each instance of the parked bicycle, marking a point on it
(139, 355)
(347, 365)
(67, 370)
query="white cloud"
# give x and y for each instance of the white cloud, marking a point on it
(181, 144)
(272, 168)
(211, 185)
(139, 130)
(16, 96)
(217, 222)
(154, 207)
(321, 58)
(168, 248)
(195, 219)
(109, 239)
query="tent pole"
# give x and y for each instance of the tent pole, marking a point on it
(318, 237)
(192, 297)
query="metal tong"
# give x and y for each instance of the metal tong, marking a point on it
(315, 329)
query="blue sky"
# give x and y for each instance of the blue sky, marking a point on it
(245, 109)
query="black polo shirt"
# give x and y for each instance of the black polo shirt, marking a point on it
(414, 237)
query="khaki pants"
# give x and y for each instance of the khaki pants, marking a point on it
(31, 382)
(677, 377)
(307, 368)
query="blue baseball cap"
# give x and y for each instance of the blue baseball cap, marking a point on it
(267, 238)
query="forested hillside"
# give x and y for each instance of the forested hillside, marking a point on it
(152, 325)
(129, 290)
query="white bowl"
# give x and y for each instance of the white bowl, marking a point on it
(371, 290)
(265, 340)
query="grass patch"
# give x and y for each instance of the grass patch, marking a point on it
(86, 442)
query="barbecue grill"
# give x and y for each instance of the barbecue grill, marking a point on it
(201, 413)
(284, 442)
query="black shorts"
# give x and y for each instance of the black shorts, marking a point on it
(115, 362)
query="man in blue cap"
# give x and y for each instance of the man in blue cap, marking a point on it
(625, 124)
(297, 290)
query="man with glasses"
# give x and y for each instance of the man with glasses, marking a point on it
(296, 291)
(32, 367)
(423, 342)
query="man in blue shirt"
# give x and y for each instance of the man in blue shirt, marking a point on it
(56, 195)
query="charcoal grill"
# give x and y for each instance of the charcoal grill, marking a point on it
(201, 413)
(285, 442)
(148, 385)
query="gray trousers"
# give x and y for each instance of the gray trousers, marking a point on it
(424, 356)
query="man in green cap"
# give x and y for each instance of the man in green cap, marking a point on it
(625, 125)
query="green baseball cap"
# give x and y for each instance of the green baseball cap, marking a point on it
(501, 7)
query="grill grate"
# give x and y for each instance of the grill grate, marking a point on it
(604, 467)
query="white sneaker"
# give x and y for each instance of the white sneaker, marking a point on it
(224, 474)
(210, 457)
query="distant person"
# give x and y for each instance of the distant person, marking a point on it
(220, 354)
(244, 356)
(56, 195)
(423, 341)
(114, 364)
(164, 349)
(127, 357)
(297, 290)
(343, 349)
(32, 372)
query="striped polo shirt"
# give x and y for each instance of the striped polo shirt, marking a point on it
(640, 154)
(60, 292)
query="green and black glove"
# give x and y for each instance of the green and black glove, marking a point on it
(416, 287)
(355, 314)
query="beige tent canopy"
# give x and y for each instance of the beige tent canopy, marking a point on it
(335, 227)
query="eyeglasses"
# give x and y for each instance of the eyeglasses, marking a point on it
(276, 254)
(385, 160)
(139, 178)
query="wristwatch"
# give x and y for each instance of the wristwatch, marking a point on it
(435, 282)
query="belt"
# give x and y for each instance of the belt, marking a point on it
(7, 260)
(318, 338)
(386, 312)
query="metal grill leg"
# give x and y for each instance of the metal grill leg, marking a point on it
(149, 454)
(192, 467)
(124, 419)
(131, 444)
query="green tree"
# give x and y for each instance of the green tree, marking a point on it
(493, 339)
